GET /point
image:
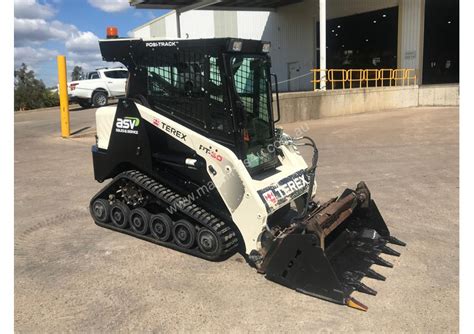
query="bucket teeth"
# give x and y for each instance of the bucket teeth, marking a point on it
(389, 251)
(395, 241)
(354, 303)
(375, 275)
(361, 287)
(353, 280)
(381, 262)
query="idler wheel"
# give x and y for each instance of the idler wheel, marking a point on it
(100, 210)
(160, 226)
(208, 242)
(184, 233)
(119, 213)
(140, 220)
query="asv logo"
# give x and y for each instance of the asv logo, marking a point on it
(127, 125)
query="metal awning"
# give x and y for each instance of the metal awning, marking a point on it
(185, 5)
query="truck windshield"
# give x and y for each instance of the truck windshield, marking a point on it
(250, 76)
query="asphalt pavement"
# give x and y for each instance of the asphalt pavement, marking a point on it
(71, 275)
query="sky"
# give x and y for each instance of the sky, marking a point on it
(47, 28)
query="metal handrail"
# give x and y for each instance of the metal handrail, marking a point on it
(360, 79)
(411, 75)
(322, 77)
(332, 80)
(357, 78)
(369, 78)
(399, 75)
(383, 78)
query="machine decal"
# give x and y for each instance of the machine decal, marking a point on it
(284, 191)
(127, 125)
(211, 152)
(169, 129)
(159, 44)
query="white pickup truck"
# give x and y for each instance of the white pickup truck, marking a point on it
(98, 87)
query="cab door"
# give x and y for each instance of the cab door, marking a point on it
(116, 81)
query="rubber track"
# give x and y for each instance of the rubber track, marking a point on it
(198, 215)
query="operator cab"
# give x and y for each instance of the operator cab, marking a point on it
(220, 88)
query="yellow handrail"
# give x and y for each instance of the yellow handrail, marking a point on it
(383, 78)
(399, 75)
(358, 77)
(333, 80)
(369, 78)
(315, 80)
(409, 77)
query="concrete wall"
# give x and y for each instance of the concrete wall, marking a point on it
(439, 95)
(302, 106)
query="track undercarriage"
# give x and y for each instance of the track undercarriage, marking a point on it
(137, 205)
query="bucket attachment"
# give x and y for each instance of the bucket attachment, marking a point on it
(328, 253)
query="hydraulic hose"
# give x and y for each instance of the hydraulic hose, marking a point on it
(311, 171)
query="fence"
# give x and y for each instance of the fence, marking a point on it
(359, 78)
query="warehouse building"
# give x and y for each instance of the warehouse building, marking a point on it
(422, 35)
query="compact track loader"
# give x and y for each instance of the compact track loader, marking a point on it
(198, 165)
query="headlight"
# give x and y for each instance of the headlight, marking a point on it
(266, 47)
(237, 46)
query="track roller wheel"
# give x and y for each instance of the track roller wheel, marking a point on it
(184, 233)
(208, 243)
(160, 226)
(119, 213)
(140, 220)
(100, 210)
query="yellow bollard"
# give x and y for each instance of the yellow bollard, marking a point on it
(63, 98)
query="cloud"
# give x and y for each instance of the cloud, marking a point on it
(34, 26)
(33, 56)
(83, 42)
(83, 50)
(36, 31)
(30, 9)
(110, 5)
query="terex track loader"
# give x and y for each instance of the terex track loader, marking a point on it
(198, 165)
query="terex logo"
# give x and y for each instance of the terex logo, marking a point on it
(169, 129)
(284, 191)
(127, 125)
(291, 186)
(160, 44)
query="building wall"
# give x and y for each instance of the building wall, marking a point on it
(292, 32)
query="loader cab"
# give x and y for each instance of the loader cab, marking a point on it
(220, 88)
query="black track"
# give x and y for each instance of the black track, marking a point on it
(165, 198)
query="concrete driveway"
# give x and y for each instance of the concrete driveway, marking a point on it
(71, 275)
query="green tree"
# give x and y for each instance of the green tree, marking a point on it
(77, 73)
(31, 93)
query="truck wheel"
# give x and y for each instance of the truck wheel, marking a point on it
(85, 104)
(99, 99)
